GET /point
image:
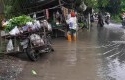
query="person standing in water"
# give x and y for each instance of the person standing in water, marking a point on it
(72, 22)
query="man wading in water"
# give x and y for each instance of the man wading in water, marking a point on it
(72, 22)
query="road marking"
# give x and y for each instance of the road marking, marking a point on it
(111, 50)
(119, 42)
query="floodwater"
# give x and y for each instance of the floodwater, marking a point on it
(98, 54)
(112, 66)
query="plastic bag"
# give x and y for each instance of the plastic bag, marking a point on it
(36, 25)
(24, 43)
(14, 31)
(29, 24)
(25, 28)
(49, 27)
(10, 46)
(36, 40)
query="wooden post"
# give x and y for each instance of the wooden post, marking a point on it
(60, 5)
(61, 8)
(89, 23)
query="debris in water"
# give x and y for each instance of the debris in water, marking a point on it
(34, 72)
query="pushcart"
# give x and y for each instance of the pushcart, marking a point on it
(30, 42)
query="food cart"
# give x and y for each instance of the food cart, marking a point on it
(28, 38)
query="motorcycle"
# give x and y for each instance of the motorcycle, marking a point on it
(100, 23)
(123, 22)
(107, 20)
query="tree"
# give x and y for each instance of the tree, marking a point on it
(114, 6)
(122, 5)
(91, 3)
(12, 8)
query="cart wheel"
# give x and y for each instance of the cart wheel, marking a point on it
(32, 54)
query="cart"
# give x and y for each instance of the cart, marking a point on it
(30, 42)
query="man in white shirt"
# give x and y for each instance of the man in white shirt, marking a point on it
(72, 22)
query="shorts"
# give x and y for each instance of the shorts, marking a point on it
(72, 31)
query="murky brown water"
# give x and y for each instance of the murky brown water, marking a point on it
(97, 55)
(69, 62)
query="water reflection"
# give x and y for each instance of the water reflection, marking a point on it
(71, 57)
(113, 58)
(112, 69)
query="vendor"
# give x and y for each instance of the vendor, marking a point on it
(72, 22)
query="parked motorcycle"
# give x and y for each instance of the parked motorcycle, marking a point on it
(123, 22)
(100, 20)
(107, 20)
(100, 23)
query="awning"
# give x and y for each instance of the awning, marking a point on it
(30, 6)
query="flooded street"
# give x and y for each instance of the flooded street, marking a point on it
(97, 55)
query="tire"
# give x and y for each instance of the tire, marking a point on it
(32, 54)
(101, 24)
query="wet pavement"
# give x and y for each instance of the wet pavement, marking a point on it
(10, 67)
(98, 54)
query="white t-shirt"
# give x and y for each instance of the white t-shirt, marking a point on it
(72, 23)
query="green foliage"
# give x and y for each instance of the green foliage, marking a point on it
(91, 3)
(81, 24)
(114, 6)
(122, 5)
(7, 10)
(17, 21)
(96, 3)
(116, 18)
(103, 3)
(11, 8)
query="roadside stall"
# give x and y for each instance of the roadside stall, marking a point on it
(54, 11)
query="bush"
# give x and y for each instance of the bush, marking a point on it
(116, 18)
(81, 24)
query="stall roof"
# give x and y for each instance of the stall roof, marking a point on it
(29, 6)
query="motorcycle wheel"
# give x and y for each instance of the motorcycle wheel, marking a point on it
(32, 54)
(101, 24)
